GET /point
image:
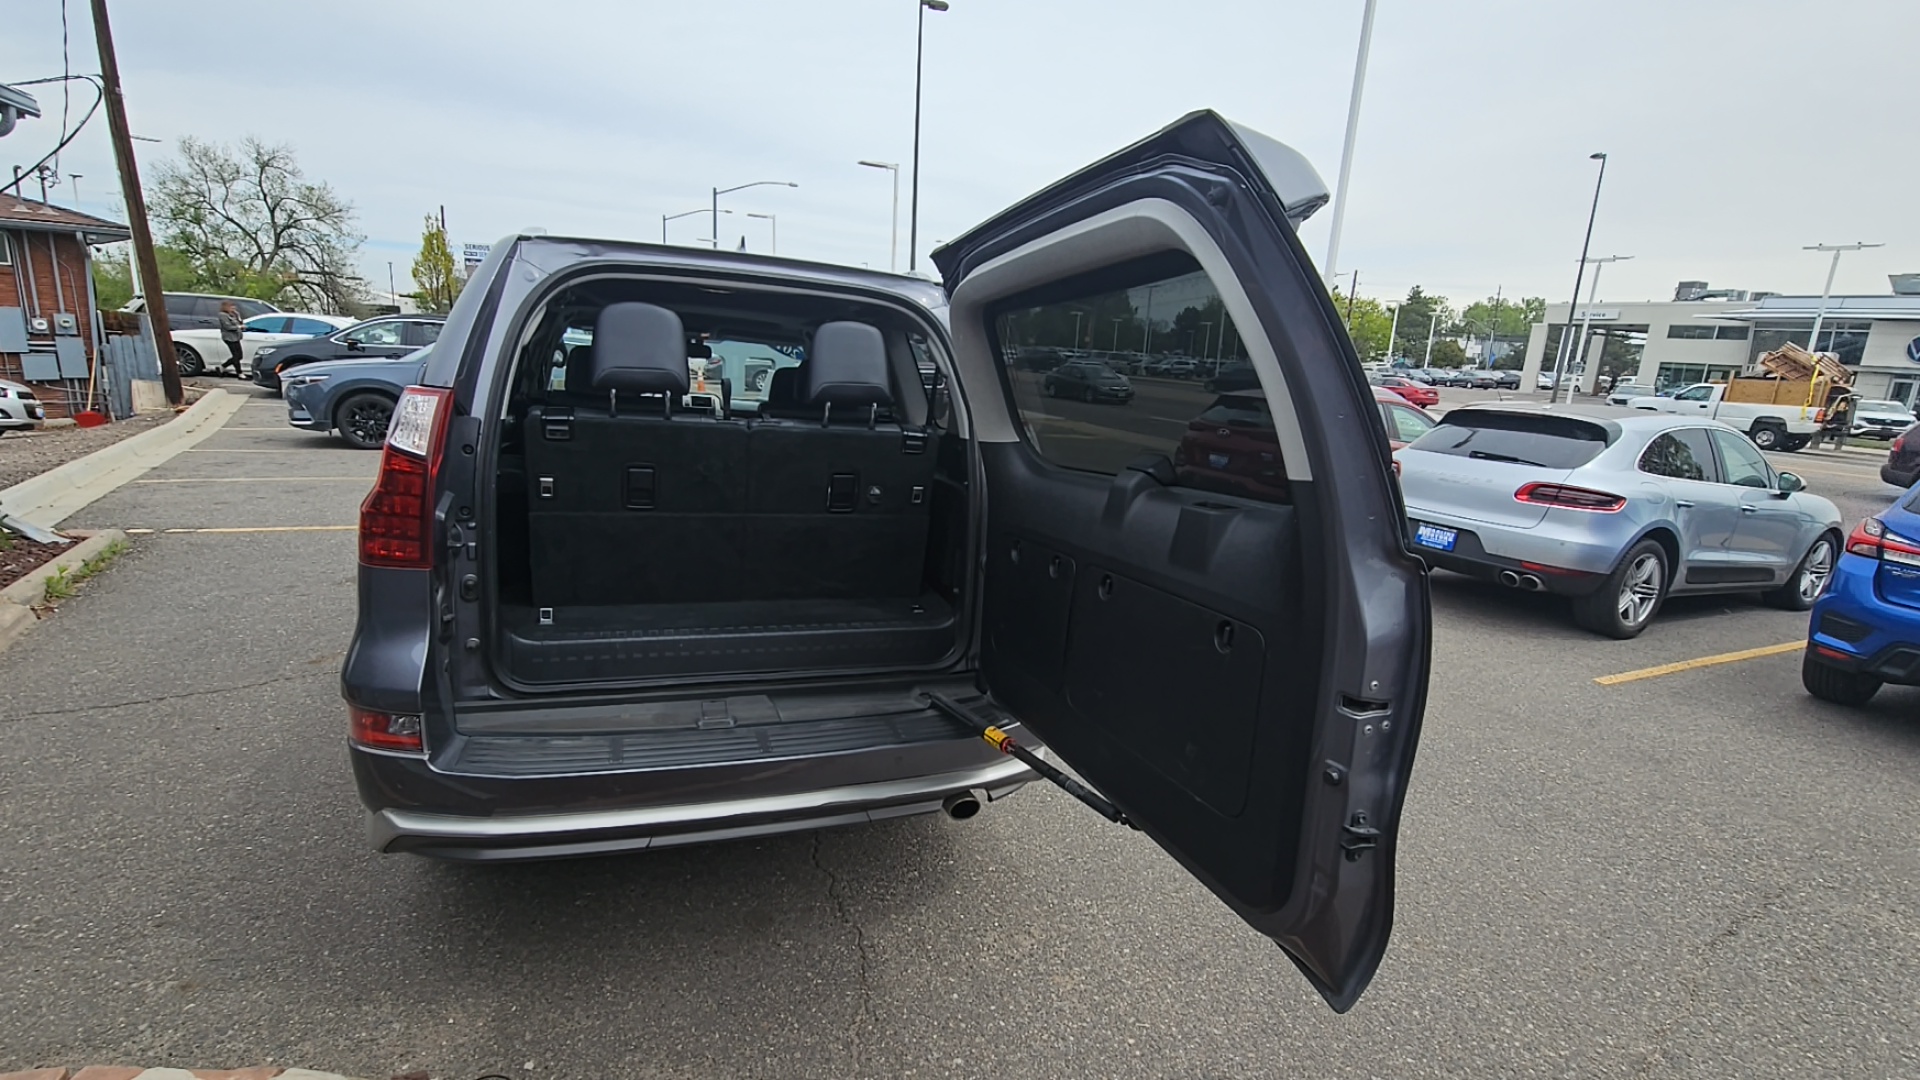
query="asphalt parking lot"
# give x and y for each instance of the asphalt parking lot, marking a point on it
(1702, 873)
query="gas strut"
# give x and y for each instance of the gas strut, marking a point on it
(1005, 744)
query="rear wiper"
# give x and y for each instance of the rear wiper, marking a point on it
(1486, 456)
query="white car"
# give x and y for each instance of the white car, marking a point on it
(1628, 387)
(19, 409)
(1881, 419)
(201, 350)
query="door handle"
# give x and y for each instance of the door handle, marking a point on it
(1748, 508)
(1683, 504)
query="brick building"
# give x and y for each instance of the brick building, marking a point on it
(48, 332)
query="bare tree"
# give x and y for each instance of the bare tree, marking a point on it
(252, 224)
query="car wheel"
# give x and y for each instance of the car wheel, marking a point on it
(362, 420)
(188, 360)
(1766, 438)
(1809, 579)
(1829, 683)
(1795, 443)
(1626, 601)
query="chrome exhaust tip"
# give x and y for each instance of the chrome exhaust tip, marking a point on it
(1510, 579)
(1531, 583)
(962, 805)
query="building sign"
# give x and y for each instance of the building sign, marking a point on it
(474, 255)
(1913, 350)
(1597, 314)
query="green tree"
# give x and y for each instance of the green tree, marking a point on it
(113, 275)
(1369, 324)
(433, 273)
(1417, 313)
(1508, 318)
(1447, 353)
(250, 223)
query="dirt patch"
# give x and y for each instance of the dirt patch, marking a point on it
(27, 454)
(19, 556)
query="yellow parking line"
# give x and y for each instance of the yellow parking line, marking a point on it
(250, 529)
(1704, 661)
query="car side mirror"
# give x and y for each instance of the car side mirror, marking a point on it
(1790, 483)
(352, 345)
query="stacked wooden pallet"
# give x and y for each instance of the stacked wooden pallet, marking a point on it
(1790, 361)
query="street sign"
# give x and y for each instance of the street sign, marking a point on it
(474, 255)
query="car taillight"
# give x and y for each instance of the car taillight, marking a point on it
(1872, 540)
(396, 520)
(1899, 441)
(385, 731)
(1568, 497)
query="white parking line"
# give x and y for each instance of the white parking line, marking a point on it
(248, 529)
(255, 479)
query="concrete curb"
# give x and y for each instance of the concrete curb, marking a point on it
(50, 498)
(121, 1072)
(18, 599)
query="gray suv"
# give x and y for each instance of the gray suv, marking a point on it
(608, 603)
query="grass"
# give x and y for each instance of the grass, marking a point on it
(65, 582)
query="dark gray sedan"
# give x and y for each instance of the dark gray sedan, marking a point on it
(353, 397)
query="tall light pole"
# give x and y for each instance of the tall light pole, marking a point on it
(919, 55)
(1393, 332)
(719, 191)
(1820, 315)
(773, 235)
(1117, 320)
(1206, 339)
(664, 218)
(893, 252)
(1560, 367)
(1346, 153)
(1432, 323)
(1586, 318)
(1076, 328)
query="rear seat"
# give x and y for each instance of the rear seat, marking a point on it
(633, 499)
(838, 490)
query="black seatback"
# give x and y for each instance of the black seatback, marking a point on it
(839, 497)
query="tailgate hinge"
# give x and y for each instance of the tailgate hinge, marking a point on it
(1359, 837)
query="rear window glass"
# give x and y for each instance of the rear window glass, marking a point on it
(1553, 442)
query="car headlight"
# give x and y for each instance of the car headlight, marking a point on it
(264, 350)
(294, 382)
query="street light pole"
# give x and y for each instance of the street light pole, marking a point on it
(773, 234)
(1560, 367)
(1820, 315)
(1346, 153)
(719, 191)
(1076, 328)
(1393, 333)
(1432, 324)
(1117, 320)
(893, 252)
(664, 218)
(919, 55)
(1586, 318)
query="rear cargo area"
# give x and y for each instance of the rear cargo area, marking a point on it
(705, 482)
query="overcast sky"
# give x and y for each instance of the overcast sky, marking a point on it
(1738, 131)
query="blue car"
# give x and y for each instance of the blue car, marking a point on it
(1866, 627)
(352, 397)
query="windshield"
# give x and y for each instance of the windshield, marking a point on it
(1882, 406)
(1553, 442)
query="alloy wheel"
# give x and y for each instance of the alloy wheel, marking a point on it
(1816, 569)
(1641, 589)
(365, 421)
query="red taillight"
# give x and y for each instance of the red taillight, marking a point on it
(396, 520)
(385, 731)
(1568, 497)
(1871, 540)
(1899, 441)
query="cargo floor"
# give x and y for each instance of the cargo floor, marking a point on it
(644, 641)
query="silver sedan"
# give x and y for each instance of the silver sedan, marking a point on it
(1616, 510)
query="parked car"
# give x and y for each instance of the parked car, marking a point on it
(387, 336)
(1404, 420)
(1088, 380)
(200, 349)
(1772, 427)
(1628, 387)
(1616, 511)
(1171, 368)
(1506, 380)
(1902, 467)
(1881, 419)
(539, 668)
(1237, 375)
(1865, 629)
(1419, 394)
(352, 397)
(200, 311)
(20, 410)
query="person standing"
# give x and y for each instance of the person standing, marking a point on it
(230, 330)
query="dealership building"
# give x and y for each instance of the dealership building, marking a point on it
(1704, 335)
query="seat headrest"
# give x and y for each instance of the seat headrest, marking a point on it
(578, 369)
(785, 387)
(847, 365)
(639, 348)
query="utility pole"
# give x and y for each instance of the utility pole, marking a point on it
(1351, 289)
(1493, 324)
(1820, 316)
(154, 297)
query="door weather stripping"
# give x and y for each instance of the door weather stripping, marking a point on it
(1005, 744)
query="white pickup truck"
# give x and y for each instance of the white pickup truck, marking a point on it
(1771, 427)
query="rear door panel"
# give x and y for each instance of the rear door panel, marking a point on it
(1243, 674)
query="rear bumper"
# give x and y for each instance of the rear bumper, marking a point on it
(1899, 477)
(1565, 564)
(1853, 629)
(608, 830)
